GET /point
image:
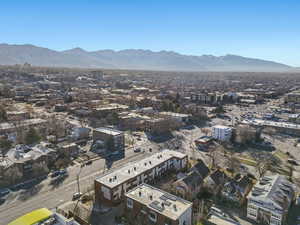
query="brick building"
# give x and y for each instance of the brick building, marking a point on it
(149, 205)
(110, 188)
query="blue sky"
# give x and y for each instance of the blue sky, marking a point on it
(267, 29)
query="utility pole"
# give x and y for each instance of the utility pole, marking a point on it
(78, 183)
(191, 146)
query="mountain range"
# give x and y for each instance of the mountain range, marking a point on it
(132, 59)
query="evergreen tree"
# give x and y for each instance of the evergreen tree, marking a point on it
(32, 136)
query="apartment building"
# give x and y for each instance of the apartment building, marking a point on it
(103, 111)
(17, 115)
(24, 162)
(293, 97)
(204, 98)
(7, 128)
(222, 133)
(178, 117)
(149, 205)
(207, 98)
(111, 187)
(107, 134)
(284, 127)
(270, 199)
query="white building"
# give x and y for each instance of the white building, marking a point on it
(270, 199)
(221, 133)
(179, 117)
(149, 205)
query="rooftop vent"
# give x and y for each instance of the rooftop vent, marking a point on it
(150, 162)
(140, 193)
(134, 168)
(128, 171)
(115, 177)
(145, 164)
(110, 180)
(175, 207)
(151, 197)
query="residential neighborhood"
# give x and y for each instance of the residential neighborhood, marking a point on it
(130, 147)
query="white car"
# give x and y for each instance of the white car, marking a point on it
(76, 196)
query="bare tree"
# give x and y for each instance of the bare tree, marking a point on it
(29, 109)
(233, 163)
(206, 131)
(19, 130)
(56, 126)
(215, 158)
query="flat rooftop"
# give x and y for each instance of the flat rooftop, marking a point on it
(259, 122)
(109, 131)
(111, 107)
(273, 188)
(218, 220)
(221, 127)
(133, 169)
(4, 126)
(160, 201)
(174, 114)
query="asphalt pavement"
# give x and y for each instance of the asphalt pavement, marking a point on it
(51, 196)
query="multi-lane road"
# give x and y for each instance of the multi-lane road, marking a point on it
(50, 196)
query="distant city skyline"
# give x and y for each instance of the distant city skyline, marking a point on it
(259, 29)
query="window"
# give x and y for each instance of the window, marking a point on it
(252, 207)
(129, 203)
(152, 216)
(251, 214)
(116, 196)
(275, 222)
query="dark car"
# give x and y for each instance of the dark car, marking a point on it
(293, 162)
(89, 162)
(55, 174)
(4, 192)
(137, 150)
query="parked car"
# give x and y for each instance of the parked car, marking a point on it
(4, 192)
(293, 162)
(76, 196)
(89, 162)
(62, 172)
(137, 150)
(55, 174)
